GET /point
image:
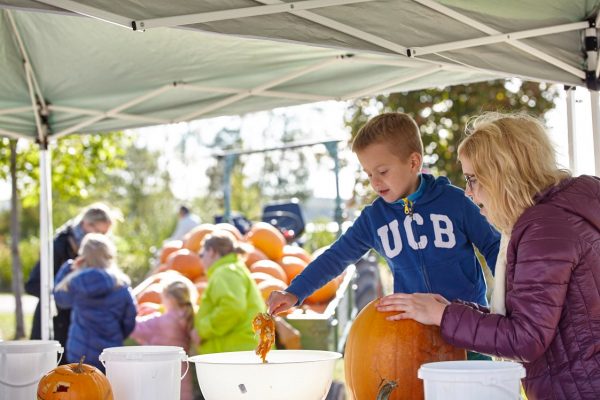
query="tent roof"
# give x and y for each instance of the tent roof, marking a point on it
(189, 60)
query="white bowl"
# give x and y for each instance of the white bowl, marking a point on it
(289, 374)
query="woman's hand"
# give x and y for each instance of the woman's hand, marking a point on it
(280, 301)
(425, 308)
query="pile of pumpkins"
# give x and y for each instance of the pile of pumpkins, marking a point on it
(271, 261)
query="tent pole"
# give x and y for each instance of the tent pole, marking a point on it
(46, 244)
(595, 100)
(571, 128)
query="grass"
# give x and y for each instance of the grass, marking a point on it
(7, 325)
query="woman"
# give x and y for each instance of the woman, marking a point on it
(97, 218)
(231, 298)
(546, 299)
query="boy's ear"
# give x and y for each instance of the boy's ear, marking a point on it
(416, 161)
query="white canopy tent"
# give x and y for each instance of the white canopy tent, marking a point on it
(98, 65)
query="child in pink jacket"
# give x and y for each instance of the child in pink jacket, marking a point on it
(173, 328)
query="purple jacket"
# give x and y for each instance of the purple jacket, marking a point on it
(552, 322)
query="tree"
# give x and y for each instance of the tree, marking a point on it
(77, 161)
(442, 113)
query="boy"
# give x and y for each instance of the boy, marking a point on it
(424, 227)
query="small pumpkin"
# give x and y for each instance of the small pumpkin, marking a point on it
(382, 357)
(74, 382)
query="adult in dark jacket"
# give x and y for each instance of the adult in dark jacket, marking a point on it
(94, 219)
(546, 311)
(98, 292)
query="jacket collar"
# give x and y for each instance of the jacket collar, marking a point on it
(227, 259)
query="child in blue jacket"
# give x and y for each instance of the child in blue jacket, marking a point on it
(423, 226)
(99, 295)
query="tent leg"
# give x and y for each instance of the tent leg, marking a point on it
(571, 128)
(46, 245)
(595, 100)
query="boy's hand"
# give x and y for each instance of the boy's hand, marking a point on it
(425, 308)
(280, 301)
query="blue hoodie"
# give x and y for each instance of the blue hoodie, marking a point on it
(103, 312)
(429, 250)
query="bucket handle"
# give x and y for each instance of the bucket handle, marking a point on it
(22, 385)
(187, 367)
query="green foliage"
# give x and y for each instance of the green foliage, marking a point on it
(319, 236)
(442, 113)
(28, 249)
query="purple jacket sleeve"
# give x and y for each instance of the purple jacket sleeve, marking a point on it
(537, 278)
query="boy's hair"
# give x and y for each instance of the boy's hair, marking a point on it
(97, 212)
(513, 160)
(398, 129)
(180, 292)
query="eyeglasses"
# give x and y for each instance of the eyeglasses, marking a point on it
(471, 181)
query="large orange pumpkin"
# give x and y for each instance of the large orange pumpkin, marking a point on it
(168, 248)
(151, 294)
(230, 228)
(269, 285)
(267, 239)
(382, 357)
(187, 263)
(271, 268)
(74, 382)
(292, 266)
(325, 293)
(297, 251)
(251, 254)
(193, 239)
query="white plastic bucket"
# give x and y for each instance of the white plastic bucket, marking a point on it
(472, 380)
(23, 363)
(144, 372)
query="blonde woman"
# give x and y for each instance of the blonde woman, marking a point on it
(96, 218)
(546, 309)
(99, 295)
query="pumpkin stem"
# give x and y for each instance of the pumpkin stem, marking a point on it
(79, 369)
(386, 390)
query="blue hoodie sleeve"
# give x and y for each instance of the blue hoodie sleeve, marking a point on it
(349, 247)
(481, 233)
(63, 298)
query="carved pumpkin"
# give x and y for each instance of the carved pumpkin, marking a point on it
(187, 263)
(382, 357)
(267, 239)
(271, 268)
(74, 382)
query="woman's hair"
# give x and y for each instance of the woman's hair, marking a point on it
(97, 251)
(513, 160)
(96, 212)
(180, 292)
(222, 241)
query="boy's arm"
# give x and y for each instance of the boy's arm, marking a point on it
(481, 233)
(346, 250)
